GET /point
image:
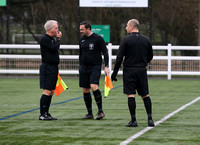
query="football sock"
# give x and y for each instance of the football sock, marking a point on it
(43, 104)
(132, 107)
(48, 103)
(148, 107)
(88, 102)
(98, 99)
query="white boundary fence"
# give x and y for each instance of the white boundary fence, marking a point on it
(161, 65)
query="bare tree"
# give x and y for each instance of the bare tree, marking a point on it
(178, 20)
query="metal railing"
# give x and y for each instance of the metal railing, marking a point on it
(168, 64)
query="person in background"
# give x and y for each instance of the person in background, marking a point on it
(136, 50)
(91, 46)
(49, 46)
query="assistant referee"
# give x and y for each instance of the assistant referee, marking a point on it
(90, 60)
(49, 46)
(136, 50)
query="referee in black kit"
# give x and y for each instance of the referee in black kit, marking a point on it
(49, 46)
(136, 50)
(90, 60)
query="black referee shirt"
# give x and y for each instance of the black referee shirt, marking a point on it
(90, 50)
(49, 49)
(136, 49)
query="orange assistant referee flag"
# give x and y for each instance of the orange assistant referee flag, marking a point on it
(60, 86)
(108, 85)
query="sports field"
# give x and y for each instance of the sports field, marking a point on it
(19, 110)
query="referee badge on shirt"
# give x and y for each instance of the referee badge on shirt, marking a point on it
(91, 46)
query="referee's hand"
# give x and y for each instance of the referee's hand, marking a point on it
(113, 76)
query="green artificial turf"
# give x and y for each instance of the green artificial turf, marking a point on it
(21, 97)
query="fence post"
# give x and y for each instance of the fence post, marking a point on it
(110, 56)
(169, 53)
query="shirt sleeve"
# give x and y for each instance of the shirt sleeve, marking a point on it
(104, 50)
(149, 53)
(120, 56)
(50, 44)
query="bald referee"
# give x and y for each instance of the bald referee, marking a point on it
(136, 50)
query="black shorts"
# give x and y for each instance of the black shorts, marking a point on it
(48, 76)
(89, 75)
(135, 79)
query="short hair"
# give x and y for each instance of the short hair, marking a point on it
(135, 23)
(48, 24)
(86, 24)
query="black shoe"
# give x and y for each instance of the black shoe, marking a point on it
(150, 123)
(100, 115)
(88, 116)
(45, 117)
(53, 118)
(132, 124)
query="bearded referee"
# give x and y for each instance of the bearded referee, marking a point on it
(49, 46)
(91, 46)
(136, 50)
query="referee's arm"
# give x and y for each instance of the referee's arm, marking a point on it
(149, 53)
(53, 47)
(120, 56)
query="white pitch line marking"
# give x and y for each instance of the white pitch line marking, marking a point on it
(158, 122)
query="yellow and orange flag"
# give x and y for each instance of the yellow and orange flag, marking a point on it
(108, 85)
(60, 86)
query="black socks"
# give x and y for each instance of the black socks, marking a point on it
(132, 107)
(98, 99)
(88, 102)
(48, 103)
(148, 107)
(45, 102)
